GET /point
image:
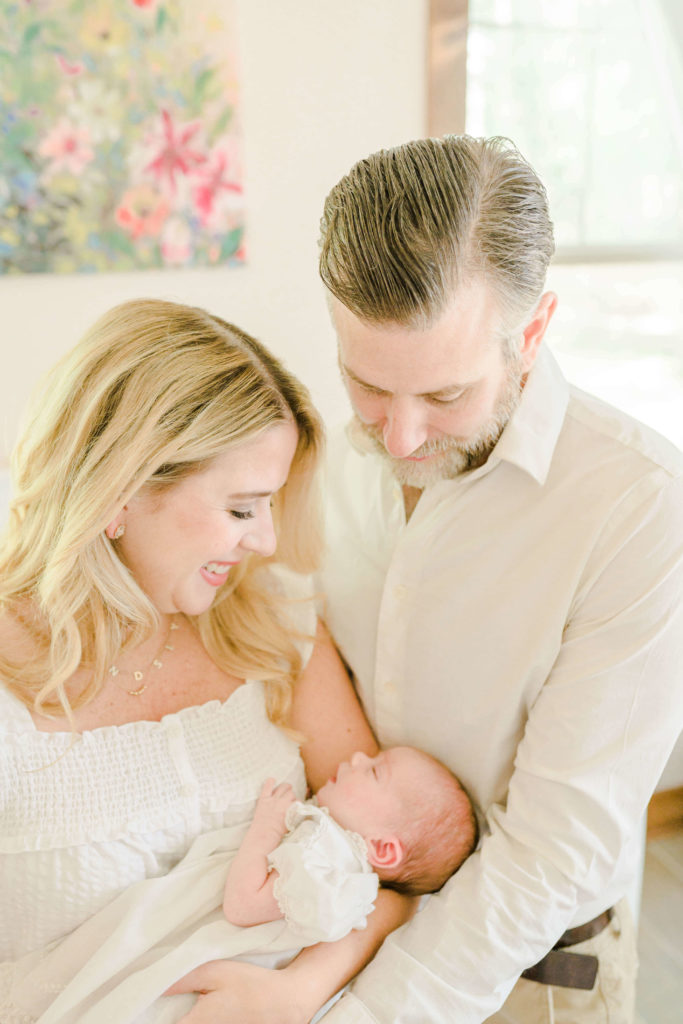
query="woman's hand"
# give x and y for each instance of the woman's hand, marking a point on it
(239, 993)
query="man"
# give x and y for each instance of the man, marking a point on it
(504, 578)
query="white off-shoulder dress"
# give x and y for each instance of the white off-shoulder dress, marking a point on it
(114, 852)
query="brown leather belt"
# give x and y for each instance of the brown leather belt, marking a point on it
(570, 970)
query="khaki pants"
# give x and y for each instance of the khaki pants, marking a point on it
(610, 1001)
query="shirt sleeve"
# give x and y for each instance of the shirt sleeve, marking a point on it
(596, 741)
(325, 886)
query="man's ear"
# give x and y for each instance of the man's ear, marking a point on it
(385, 852)
(532, 335)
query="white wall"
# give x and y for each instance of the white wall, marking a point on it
(324, 83)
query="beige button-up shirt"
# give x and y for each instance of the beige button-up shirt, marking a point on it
(526, 627)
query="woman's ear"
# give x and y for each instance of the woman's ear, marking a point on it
(386, 852)
(116, 528)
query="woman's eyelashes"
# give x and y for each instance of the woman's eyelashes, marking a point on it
(241, 513)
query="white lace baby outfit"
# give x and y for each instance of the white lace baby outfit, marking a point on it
(325, 885)
(81, 824)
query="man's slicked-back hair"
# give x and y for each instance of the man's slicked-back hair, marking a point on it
(406, 227)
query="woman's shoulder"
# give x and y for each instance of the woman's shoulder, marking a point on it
(16, 644)
(15, 717)
(15, 633)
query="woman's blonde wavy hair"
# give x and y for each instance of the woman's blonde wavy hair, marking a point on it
(152, 393)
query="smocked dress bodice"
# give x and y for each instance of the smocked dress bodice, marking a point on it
(81, 821)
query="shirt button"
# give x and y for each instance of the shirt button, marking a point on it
(388, 686)
(400, 591)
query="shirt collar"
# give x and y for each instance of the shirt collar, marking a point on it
(529, 439)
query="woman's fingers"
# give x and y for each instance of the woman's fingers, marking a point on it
(202, 979)
(240, 993)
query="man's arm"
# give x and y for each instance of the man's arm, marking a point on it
(248, 897)
(597, 738)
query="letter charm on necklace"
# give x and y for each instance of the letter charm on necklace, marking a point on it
(156, 662)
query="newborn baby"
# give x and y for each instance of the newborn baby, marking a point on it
(400, 818)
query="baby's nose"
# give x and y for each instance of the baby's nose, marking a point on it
(359, 759)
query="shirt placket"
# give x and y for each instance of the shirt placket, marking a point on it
(401, 591)
(393, 630)
(189, 785)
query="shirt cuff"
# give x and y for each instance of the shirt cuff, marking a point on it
(348, 1010)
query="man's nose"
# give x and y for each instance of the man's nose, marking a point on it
(404, 428)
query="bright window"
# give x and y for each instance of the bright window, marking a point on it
(592, 93)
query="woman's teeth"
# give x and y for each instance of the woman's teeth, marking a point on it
(217, 567)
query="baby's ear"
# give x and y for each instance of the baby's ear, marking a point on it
(386, 852)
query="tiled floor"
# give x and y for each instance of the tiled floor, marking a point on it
(660, 936)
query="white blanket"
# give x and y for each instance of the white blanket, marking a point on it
(116, 965)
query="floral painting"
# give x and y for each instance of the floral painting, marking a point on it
(120, 142)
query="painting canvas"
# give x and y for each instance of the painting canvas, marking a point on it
(120, 143)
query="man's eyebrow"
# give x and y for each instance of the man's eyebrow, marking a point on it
(441, 393)
(358, 380)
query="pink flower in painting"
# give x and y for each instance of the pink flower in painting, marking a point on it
(174, 154)
(142, 211)
(219, 185)
(69, 68)
(67, 147)
(144, 3)
(176, 242)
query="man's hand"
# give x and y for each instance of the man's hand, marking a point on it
(238, 993)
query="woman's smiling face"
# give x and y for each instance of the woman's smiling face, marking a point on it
(181, 542)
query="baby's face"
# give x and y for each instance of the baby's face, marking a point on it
(368, 794)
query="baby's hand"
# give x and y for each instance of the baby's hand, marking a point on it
(271, 809)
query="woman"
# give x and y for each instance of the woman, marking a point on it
(152, 657)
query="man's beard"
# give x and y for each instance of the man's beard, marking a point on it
(450, 456)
